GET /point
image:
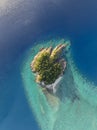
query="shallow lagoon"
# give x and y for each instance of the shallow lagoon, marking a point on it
(74, 107)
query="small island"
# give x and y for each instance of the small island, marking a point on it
(49, 66)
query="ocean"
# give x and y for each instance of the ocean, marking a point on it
(75, 100)
(24, 25)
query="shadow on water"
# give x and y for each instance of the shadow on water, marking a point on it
(67, 88)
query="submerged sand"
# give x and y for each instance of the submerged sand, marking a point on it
(73, 107)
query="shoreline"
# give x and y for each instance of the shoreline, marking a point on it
(54, 86)
(57, 66)
(68, 112)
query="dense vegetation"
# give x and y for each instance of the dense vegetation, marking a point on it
(47, 67)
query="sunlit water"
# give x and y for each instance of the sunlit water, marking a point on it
(73, 107)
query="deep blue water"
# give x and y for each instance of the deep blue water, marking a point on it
(33, 21)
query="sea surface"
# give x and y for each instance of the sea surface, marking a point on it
(23, 25)
(74, 102)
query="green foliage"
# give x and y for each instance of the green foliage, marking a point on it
(48, 70)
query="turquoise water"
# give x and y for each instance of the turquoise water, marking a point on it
(73, 107)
